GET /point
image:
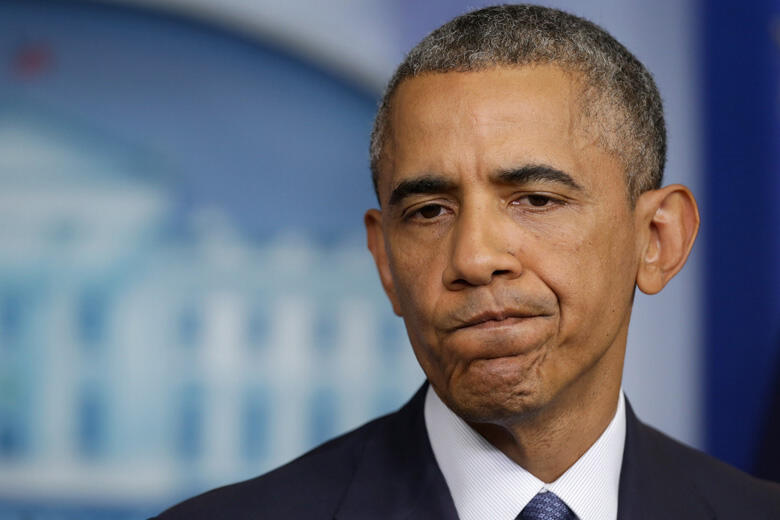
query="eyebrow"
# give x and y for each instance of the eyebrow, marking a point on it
(428, 184)
(420, 186)
(537, 173)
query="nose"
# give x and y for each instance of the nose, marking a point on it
(481, 250)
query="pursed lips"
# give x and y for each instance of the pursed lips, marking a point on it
(495, 319)
(493, 334)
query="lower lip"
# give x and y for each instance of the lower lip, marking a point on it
(500, 324)
(500, 338)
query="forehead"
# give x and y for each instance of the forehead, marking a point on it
(499, 118)
(524, 87)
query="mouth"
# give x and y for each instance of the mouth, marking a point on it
(500, 333)
(496, 319)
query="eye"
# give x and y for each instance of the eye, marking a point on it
(429, 211)
(539, 200)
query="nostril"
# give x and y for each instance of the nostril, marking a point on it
(461, 283)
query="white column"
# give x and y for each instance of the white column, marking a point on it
(289, 367)
(223, 346)
(57, 411)
(357, 360)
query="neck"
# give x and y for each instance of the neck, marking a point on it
(550, 440)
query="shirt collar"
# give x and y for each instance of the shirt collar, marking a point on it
(485, 483)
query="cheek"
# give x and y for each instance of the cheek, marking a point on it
(417, 277)
(591, 275)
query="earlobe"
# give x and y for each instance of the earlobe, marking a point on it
(375, 240)
(668, 220)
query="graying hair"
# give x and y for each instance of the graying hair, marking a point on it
(619, 94)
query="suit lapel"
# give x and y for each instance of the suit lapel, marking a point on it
(397, 476)
(651, 487)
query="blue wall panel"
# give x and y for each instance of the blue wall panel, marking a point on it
(742, 221)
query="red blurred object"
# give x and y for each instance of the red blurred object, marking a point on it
(32, 60)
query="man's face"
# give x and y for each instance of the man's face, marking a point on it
(506, 240)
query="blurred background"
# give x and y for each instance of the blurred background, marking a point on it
(185, 295)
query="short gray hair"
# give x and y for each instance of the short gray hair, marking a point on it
(616, 86)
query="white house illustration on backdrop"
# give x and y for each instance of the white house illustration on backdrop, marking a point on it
(134, 363)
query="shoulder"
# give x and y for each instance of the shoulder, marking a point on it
(313, 483)
(358, 471)
(729, 492)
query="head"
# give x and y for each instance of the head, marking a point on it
(518, 179)
(618, 95)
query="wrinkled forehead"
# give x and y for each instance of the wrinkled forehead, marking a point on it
(531, 103)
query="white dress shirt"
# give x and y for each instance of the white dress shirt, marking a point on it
(485, 483)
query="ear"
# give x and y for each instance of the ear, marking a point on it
(375, 239)
(668, 221)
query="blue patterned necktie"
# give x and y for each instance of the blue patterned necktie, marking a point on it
(546, 506)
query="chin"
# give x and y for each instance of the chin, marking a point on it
(495, 399)
(495, 409)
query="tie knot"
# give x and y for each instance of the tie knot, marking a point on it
(546, 506)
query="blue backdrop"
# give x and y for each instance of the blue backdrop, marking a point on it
(185, 297)
(742, 231)
(181, 252)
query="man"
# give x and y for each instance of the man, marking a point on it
(517, 157)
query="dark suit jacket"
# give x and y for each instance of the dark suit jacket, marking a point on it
(386, 470)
